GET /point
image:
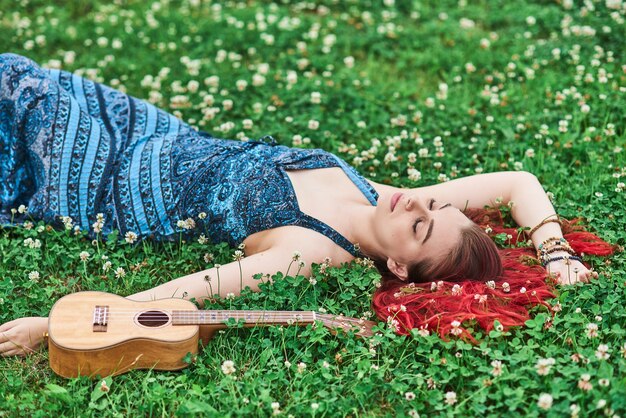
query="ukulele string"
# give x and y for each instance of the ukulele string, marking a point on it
(280, 316)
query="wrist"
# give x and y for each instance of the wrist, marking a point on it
(566, 258)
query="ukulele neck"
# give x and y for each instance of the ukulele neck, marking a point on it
(248, 317)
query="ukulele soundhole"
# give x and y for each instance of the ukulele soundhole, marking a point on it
(153, 319)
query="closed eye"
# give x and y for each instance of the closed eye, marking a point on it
(417, 221)
(431, 203)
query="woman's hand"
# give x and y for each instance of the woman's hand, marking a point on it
(22, 336)
(570, 272)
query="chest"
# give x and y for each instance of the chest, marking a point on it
(326, 194)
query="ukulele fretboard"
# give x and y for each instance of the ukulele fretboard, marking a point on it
(249, 317)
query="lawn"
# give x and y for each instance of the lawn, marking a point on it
(410, 93)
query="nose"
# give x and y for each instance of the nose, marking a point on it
(414, 202)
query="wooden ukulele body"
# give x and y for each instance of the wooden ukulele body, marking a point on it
(78, 347)
(97, 333)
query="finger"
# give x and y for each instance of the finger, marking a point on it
(7, 325)
(10, 353)
(7, 346)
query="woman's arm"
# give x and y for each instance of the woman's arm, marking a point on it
(530, 206)
(230, 278)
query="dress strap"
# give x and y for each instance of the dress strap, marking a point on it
(310, 222)
(368, 191)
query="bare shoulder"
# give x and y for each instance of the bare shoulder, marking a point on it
(383, 188)
(310, 245)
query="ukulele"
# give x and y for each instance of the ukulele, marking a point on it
(97, 333)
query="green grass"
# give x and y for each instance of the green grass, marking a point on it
(401, 55)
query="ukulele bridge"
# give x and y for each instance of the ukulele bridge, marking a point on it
(100, 318)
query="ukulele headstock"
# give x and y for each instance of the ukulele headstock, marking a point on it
(360, 327)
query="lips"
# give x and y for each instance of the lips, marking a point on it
(394, 200)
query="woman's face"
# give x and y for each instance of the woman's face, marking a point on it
(411, 227)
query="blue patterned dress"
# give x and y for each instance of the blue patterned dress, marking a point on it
(73, 147)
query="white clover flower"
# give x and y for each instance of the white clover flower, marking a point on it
(301, 367)
(497, 368)
(592, 330)
(131, 237)
(545, 401)
(544, 365)
(456, 328)
(316, 97)
(33, 276)
(228, 367)
(241, 85)
(106, 266)
(227, 104)
(119, 272)
(258, 80)
(414, 174)
(67, 222)
(480, 298)
(84, 255)
(450, 398)
(457, 290)
(466, 23)
(313, 124)
(602, 352)
(103, 386)
(409, 396)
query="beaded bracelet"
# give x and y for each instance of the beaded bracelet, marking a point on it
(556, 248)
(546, 255)
(564, 257)
(542, 223)
(554, 240)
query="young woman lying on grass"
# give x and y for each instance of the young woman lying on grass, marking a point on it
(78, 153)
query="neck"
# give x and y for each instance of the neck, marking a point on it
(361, 221)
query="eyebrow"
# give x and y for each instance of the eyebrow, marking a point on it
(430, 226)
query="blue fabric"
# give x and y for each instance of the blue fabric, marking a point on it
(73, 147)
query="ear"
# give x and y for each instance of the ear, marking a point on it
(399, 269)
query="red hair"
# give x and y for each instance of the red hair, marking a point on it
(476, 282)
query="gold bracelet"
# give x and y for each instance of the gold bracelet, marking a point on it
(542, 223)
